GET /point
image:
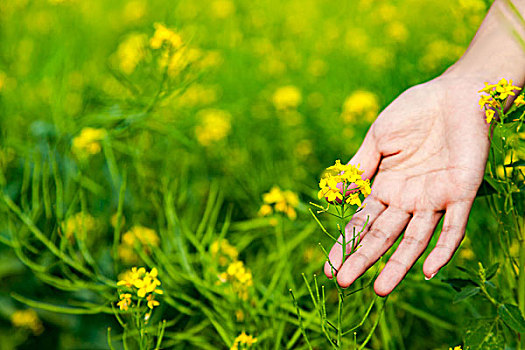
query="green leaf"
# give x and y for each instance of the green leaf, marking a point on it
(491, 271)
(511, 315)
(466, 293)
(483, 335)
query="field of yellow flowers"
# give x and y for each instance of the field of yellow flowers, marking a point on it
(158, 158)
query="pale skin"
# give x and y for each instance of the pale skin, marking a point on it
(426, 153)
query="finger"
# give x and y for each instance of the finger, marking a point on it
(382, 234)
(372, 209)
(456, 217)
(367, 156)
(416, 238)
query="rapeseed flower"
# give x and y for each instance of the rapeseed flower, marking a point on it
(287, 97)
(214, 126)
(125, 301)
(146, 237)
(27, 319)
(279, 201)
(79, 223)
(223, 251)
(131, 52)
(360, 104)
(140, 283)
(243, 339)
(239, 277)
(343, 183)
(496, 97)
(519, 101)
(88, 142)
(164, 35)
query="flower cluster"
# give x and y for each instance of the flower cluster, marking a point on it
(145, 236)
(27, 319)
(224, 252)
(137, 286)
(343, 183)
(79, 223)
(240, 278)
(279, 201)
(88, 142)
(244, 340)
(496, 97)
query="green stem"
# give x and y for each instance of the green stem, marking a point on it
(521, 282)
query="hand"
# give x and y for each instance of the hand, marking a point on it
(428, 151)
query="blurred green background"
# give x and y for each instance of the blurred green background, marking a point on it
(262, 93)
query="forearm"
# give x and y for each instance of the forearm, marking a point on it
(498, 48)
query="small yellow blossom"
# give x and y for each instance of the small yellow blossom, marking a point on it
(80, 223)
(152, 302)
(280, 201)
(125, 301)
(243, 339)
(360, 105)
(489, 114)
(131, 52)
(223, 251)
(140, 281)
(456, 348)
(340, 178)
(519, 101)
(166, 36)
(240, 278)
(214, 126)
(27, 319)
(88, 142)
(146, 237)
(286, 97)
(501, 90)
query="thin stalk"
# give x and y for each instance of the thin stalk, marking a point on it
(521, 282)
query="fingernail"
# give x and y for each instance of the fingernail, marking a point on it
(431, 276)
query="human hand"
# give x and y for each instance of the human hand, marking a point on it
(428, 151)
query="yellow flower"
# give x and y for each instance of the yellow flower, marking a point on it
(360, 104)
(125, 301)
(27, 319)
(489, 114)
(505, 89)
(79, 223)
(152, 302)
(243, 339)
(131, 52)
(141, 281)
(88, 142)
(240, 278)
(166, 36)
(456, 348)
(223, 251)
(340, 178)
(282, 201)
(214, 126)
(519, 101)
(501, 90)
(287, 97)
